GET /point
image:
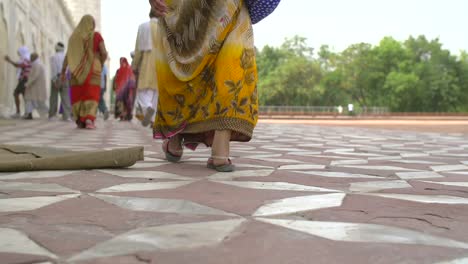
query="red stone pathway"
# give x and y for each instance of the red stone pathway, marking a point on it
(303, 193)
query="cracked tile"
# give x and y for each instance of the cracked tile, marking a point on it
(437, 199)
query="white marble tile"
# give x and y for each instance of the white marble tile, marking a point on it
(457, 184)
(385, 158)
(377, 167)
(36, 187)
(377, 186)
(279, 186)
(435, 199)
(136, 187)
(331, 174)
(445, 168)
(222, 176)
(163, 238)
(305, 153)
(300, 204)
(413, 155)
(148, 152)
(417, 162)
(37, 175)
(348, 162)
(457, 172)
(418, 175)
(14, 241)
(368, 233)
(341, 150)
(312, 145)
(174, 206)
(155, 160)
(286, 149)
(141, 165)
(454, 261)
(145, 174)
(31, 203)
(302, 167)
(252, 166)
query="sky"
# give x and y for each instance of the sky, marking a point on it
(337, 23)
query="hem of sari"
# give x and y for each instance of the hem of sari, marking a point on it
(243, 129)
(90, 117)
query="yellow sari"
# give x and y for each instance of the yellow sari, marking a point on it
(207, 75)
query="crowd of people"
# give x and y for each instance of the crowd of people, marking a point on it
(78, 77)
(192, 78)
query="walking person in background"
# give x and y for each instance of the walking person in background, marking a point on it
(24, 67)
(207, 76)
(85, 56)
(125, 91)
(59, 87)
(102, 102)
(144, 67)
(35, 93)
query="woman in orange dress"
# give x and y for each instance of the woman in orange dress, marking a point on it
(85, 56)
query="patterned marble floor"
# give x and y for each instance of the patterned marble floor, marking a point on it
(301, 194)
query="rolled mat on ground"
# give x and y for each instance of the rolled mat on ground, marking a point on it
(28, 158)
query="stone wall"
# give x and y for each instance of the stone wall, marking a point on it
(38, 24)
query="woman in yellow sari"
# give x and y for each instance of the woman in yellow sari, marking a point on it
(85, 56)
(207, 75)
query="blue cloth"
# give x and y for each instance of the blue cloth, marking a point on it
(259, 9)
(103, 77)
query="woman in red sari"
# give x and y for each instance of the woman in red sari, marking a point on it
(125, 91)
(85, 56)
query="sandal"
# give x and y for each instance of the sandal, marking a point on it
(171, 157)
(227, 167)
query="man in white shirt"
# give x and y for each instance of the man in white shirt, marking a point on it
(144, 66)
(57, 86)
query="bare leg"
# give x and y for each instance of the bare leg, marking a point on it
(220, 150)
(17, 103)
(174, 145)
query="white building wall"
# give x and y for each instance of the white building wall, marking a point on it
(38, 24)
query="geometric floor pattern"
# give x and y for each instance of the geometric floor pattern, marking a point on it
(300, 194)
